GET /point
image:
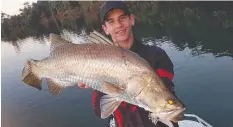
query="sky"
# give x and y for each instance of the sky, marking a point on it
(12, 7)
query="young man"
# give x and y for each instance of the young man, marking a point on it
(117, 22)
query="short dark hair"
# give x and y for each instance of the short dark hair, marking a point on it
(109, 5)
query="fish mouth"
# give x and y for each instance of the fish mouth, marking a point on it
(174, 115)
(170, 111)
(177, 115)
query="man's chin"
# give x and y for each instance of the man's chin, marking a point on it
(122, 39)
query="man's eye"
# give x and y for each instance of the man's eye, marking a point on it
(123, 17)
(110, 21)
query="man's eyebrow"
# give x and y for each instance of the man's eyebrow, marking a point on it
(108, 19)
(124, 14)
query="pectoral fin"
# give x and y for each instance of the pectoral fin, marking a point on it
(112, 89)
(108, 104)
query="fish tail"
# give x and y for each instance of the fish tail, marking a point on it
(29, 76)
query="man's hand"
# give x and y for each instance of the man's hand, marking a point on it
(81, 85)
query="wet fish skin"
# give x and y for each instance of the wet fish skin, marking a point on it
(118, 72)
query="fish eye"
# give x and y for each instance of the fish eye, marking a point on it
(171, 101)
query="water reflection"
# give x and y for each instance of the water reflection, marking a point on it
(202, 40)
(219, 44)
(204, 27)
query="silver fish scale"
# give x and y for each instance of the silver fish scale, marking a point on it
(92, 64)
(98, 64)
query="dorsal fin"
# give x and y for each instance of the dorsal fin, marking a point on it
(57, 41)
(96, 33)
(98, 38)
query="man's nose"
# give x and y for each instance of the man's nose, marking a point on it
(118, 24)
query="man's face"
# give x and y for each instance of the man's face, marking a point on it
(119, 25)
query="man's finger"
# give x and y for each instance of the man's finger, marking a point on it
(86, 86)
(81, 85)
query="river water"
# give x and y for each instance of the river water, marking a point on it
(204, 83)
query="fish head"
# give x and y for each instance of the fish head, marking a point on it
(160, 100)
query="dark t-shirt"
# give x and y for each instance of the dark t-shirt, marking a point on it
(130, 115)
(158, 59)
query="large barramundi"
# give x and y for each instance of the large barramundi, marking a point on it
(104, 66)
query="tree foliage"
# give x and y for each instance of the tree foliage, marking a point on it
(186, 23)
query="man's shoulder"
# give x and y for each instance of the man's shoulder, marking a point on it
(152, 49)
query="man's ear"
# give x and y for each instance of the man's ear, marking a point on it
(132, 19)
(105, 29)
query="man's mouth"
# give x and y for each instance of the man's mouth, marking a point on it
(121, 32)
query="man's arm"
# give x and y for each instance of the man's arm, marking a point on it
(165, 69)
